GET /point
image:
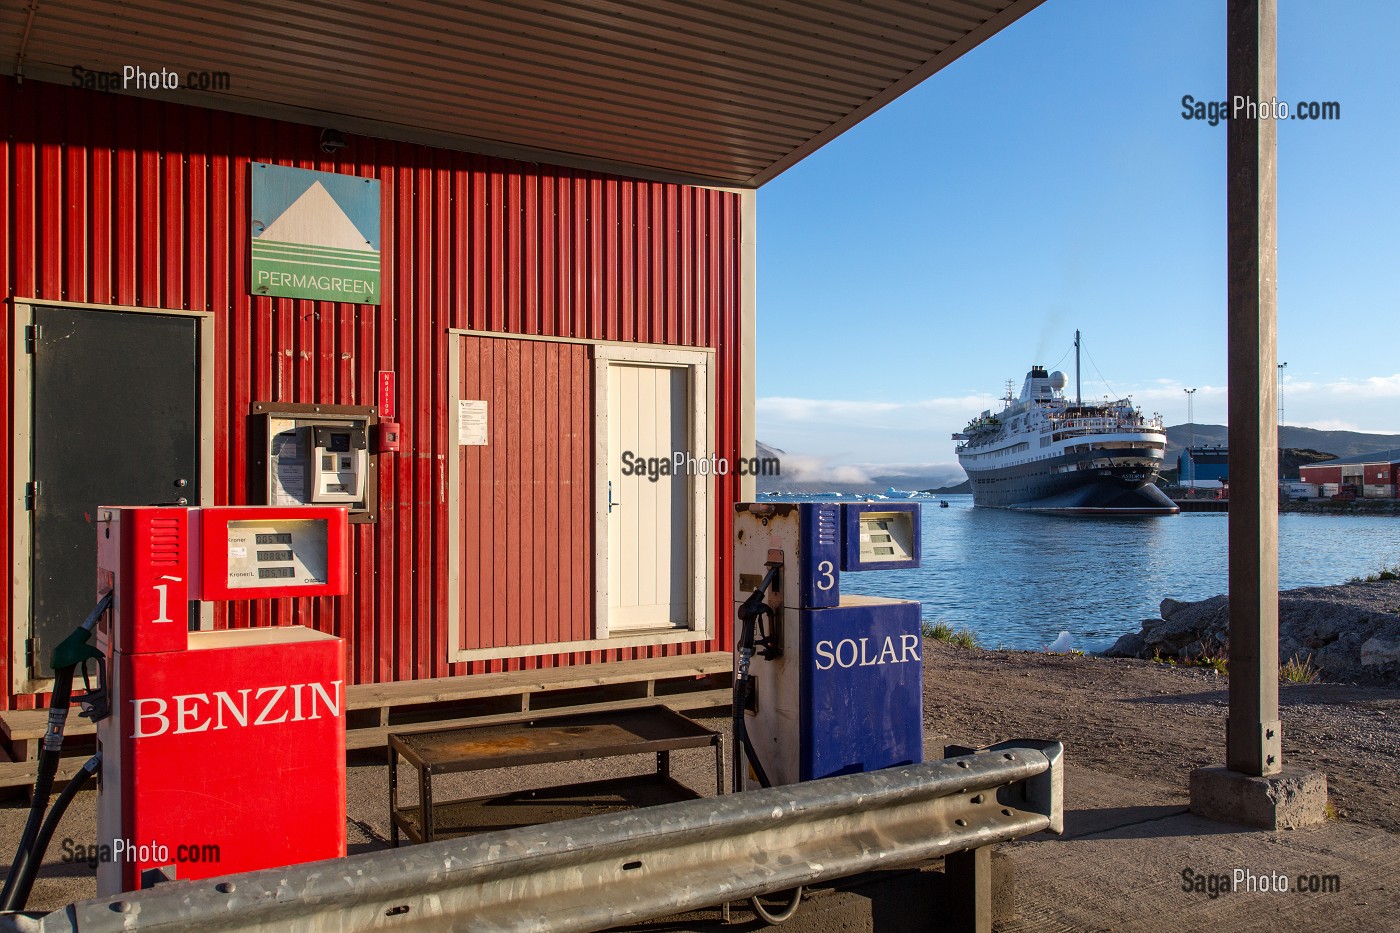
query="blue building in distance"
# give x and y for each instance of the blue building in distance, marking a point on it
(1203, 466)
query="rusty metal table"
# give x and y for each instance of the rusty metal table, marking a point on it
(530, 740)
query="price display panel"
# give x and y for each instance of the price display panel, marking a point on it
(258, 552)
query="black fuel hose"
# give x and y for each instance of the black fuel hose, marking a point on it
(743, 686)
(25, 864)
(71, 652)
(60, 806)
(749, 611)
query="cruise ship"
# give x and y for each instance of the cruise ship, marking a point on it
(1047, 452)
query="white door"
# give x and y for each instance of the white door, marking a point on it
(653, 520)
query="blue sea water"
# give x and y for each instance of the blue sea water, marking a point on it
(1018, 579)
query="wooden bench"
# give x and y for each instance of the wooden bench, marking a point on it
(684, 683)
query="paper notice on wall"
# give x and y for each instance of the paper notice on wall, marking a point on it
(288, 476)
(471, 422)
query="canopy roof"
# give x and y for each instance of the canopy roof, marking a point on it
(728, 92)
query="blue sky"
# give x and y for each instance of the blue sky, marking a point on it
(1047, 181)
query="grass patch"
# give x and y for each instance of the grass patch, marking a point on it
(1295, 671)
(1217, 659)
(1387, 572)
(1216, 663)
(1215, 656)
(942, 631)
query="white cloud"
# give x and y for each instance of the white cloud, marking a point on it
(1331, 424)
(806, 469)
(843, 410)
(847, 440)
(1372, 387)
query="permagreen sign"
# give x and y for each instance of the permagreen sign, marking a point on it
(314, 235)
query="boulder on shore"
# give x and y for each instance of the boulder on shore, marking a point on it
(1351, 632)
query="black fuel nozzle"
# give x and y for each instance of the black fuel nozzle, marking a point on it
(767, 644)
(758, 636)
(755, 604)
(74, 653)
(96, 703)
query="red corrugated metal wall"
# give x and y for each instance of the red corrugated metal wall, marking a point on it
(1320, 474)
(109, 199)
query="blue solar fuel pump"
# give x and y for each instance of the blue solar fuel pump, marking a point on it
(826, 683)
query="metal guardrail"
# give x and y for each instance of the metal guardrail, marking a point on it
(602, 871)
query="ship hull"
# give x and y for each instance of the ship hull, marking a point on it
(1037, 487)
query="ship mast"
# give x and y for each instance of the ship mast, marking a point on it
(1078, 400)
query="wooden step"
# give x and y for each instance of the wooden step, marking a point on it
(30, 724)
(22, 773)
(554, 686)
(540, 680)
(378, 736)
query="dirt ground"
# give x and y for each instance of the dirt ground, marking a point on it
(1132, 730)
(1154, 722)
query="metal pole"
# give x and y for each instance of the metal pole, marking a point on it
(1253, 741)
(1281, 368)
(1191, 436)
(1078, 399)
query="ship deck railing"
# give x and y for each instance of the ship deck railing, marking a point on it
(1079, 427)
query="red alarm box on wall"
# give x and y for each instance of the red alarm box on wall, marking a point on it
(390, 434)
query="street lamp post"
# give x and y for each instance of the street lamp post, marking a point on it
(1191, 435)
(1281, 368)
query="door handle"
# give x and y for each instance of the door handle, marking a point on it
(611, 501)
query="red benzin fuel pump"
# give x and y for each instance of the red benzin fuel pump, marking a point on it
(220, 751)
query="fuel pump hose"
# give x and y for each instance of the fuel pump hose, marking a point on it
(71, 652)
(749, 611)
(60, 806)
(752, 609)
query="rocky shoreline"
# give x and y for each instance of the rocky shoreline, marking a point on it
(1350, 632)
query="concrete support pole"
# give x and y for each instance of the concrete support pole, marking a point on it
(1253, 742)
(1254, 788)
(969, 876)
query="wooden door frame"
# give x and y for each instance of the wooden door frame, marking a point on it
(22, 462)
(702, 626)
(700, 434)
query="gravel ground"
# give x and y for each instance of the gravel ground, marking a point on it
(1156, 722)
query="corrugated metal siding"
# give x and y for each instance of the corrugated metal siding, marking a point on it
(721, 89)
(118, 200)
(1320, 474)
(527, 533)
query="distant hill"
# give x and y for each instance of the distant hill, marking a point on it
(1337, 443)
(870, 484)
(1300, 445)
